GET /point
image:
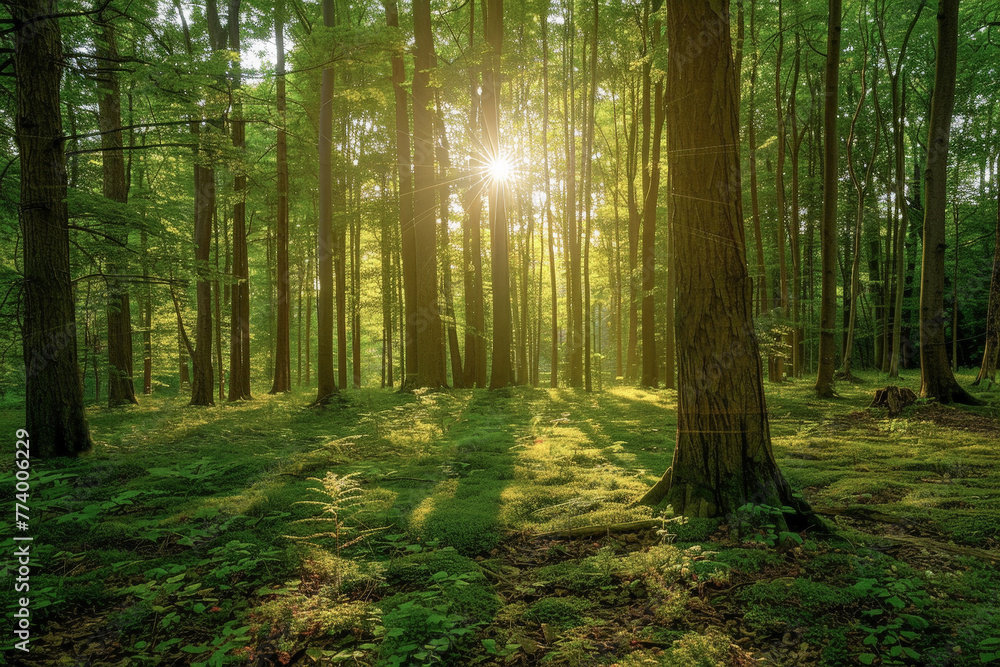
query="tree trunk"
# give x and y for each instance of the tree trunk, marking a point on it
(723, 457)
(475, 316)
(500, 372)
(239, 316)
(407, 253)
(444, 202)
(54, 416)
(936, 378)
(121, 389)
(988, 367)
(549, 222)
(324, 238)
(202, 381)
(282, 349)
(429, 342)
(762, 305)
(654, 132)
(776, 364)
(828, 228)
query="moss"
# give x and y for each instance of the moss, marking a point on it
(710, 649)
(416, 569)
(562, 612)
(469, 528)
(694, 530)
(749, 561)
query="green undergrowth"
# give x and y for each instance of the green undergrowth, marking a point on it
(399, 529)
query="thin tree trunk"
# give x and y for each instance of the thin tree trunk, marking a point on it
(121, 389)
(324, 239)
(500, 372)
(282, 352)
(988, 367)
(549, 222)
(828, 228)
(762, 305)
(239, 326)
(429, 344)
(653, 130)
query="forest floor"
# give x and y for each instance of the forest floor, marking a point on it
(446, 527)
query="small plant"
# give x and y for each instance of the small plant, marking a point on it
(342, 494)
(889, 639)
(422, 630)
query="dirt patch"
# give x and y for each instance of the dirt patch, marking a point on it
(957, 418)
(861, 420)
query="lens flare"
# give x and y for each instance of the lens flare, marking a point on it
(500, 169)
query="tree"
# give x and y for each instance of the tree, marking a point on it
(324, 238)
(723, 457)
(54, 414)
(501, 372)
(405, 185)
(936, 378)
(282, 352)
(988, 367)
(828, 226)
(239, 316)
(429, 340)
(121, 388)
(652, 133)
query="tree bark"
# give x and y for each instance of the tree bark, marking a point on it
(936, 378)
(828, 228)
(500, 371)
(121, 389)
(653, 133)
(324, 239)
(282, 349)
(723, 457)
(988, 367)
(405, 185)
(427, 317)
(54, 414)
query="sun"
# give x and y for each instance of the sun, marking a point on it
(500, 169)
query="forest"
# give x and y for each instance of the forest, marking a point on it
(509, 332)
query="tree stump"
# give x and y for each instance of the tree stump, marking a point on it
(894, 398)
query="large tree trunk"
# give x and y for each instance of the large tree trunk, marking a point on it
(324, 238)
(936, 378)
(723, 457)
(121, 389)
(282, 349)
(54, 416)
(430, 344)
(828, 228)
(500, 371)
(988, 368)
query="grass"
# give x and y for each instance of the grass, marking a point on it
(183, 539)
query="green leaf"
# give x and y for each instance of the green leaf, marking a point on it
(190, 648)
(917, 622)
(896, 602)
(867, 658)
